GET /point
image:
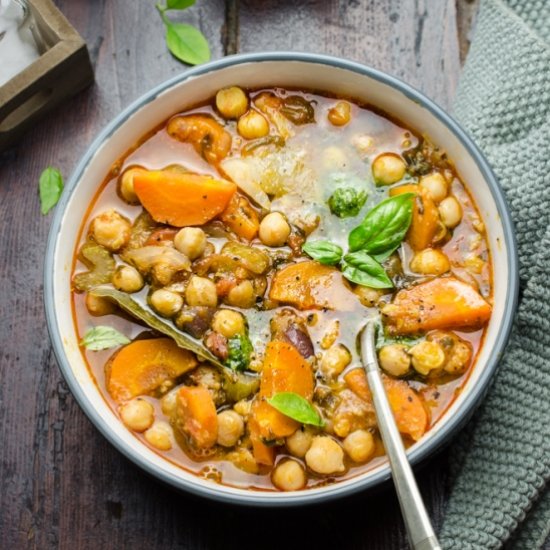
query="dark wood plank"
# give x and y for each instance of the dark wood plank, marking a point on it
(61, 484)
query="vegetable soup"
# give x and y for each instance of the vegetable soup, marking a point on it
(230, 260)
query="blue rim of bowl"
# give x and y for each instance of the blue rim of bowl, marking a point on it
(418, 453)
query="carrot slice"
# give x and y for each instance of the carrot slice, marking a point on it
(196, 416)
(311, 285)
(263, 454)
(442, 303)
(241, 218)
(142, 366)
(425, 217)
(284, 370)
(411, 415)
(182, 199)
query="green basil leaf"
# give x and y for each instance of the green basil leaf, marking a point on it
(179, 4)
(187, 43)
(239, 351)
(101, 337)
(383, 256)
(385, 226)
(296, 407)
(50, 187)
(324, 252)
(384, 339)
(364, 270)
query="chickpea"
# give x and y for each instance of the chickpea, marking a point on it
(126, 186)
(289, 475)
(427, 356)
(253, 125)
(231, 102)
(369, 297)
(127, 279)
(111, 230)
(201, 292)
(459, 358)
(450, 212)
(190, 241)
(274, 230)
(299, 443)
(230, 428)
(242, 295)
(166, 302)
(335, 360)
(430, 261)
(168, 402)
(387, 169)
(394, 359)
(137, 414)
(159, 435)
(325, 456)
(340, 114)
(436, 186)
(331, 334)
(243, 407)
(228, 323)
(359, 445)
(97, 305)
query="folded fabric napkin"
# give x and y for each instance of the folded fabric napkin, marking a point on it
(500, 471)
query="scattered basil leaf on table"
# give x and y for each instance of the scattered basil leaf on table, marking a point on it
(239, 351)
(101, 337)
(363, 269)
(296, 407)
(385, 226)
(50, 188)
(347, 202)
(185, 42)
(324, 252)
(179, 4)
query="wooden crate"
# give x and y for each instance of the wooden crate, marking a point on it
(62, 70)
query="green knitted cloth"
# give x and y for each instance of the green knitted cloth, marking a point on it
(500, 465)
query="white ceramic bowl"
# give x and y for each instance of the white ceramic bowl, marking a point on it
(287, 70)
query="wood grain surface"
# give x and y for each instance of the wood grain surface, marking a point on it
(61, 484)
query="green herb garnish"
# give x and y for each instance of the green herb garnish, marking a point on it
(50, 187)
(372, 242)
(185, 42)
(101, 337)
(324, 252)
(347, 202)
(296, 407)
(240, 349)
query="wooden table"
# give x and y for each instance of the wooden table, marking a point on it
(61, 484)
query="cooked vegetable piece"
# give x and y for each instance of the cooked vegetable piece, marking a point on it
(239, 351)
(263, 454)
(310, 285)
(251, 258)
(207, 136)
(196, 416)
(142, 366)
(182, 199)
(298, 110)
(425, 218)
(245, 174)
(347, 202)
(286, 325)
(99, 261)
(284, 370)
(408, 407)
(241, 218)
(441, 303)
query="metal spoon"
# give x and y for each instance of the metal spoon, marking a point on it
(417, 521)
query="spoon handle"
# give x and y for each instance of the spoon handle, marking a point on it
(417, 521)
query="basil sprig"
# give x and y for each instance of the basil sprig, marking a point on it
(50, 187)
(370, 243)
(324, 252)
(384, 227)
(101, 337)
(296, 407)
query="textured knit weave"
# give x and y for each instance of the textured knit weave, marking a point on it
(501, 462)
